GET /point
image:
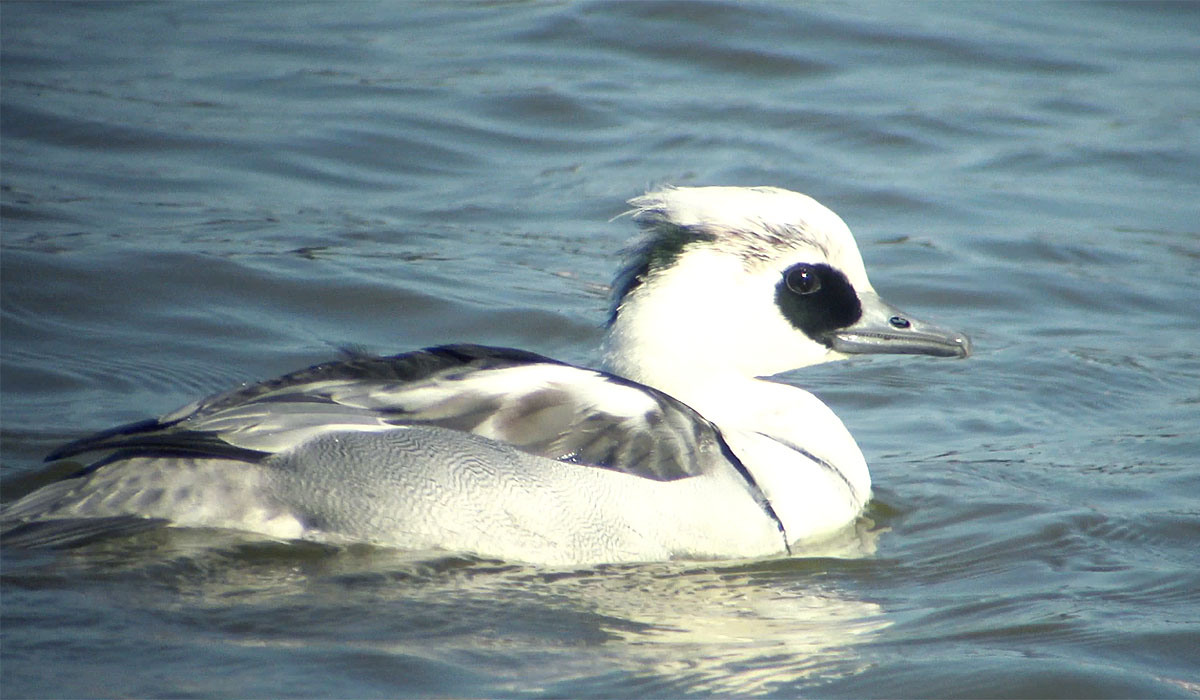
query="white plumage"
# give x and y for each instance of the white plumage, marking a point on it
(678, 448)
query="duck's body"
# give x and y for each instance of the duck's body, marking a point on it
(677, 450)
(461, 448)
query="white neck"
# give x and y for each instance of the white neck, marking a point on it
(705, 342)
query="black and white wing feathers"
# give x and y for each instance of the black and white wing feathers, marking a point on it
(540, 406)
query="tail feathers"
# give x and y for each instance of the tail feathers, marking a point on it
(137, 493)
(72, 532)
(32, 522)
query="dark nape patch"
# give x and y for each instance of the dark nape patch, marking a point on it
(662, 247)
(817, 299)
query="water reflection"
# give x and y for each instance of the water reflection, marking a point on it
(729, 630)
(395, 617)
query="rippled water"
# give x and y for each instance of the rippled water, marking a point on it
(198, 194)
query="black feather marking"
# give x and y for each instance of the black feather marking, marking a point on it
(816, 460)
(663, 245)
(96, 441)
(406, 367)
(208, 447)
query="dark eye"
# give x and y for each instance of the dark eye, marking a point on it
(802, 279)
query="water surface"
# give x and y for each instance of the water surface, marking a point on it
(199, 194)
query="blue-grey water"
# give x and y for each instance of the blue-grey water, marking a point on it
(200, 194)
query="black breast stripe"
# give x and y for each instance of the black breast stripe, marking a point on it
(755, 490)
(832, 469)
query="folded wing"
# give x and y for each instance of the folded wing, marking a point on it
(540, 406)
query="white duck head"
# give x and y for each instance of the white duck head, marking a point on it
(745, 282)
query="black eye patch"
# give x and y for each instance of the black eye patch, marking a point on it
(817, 299)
